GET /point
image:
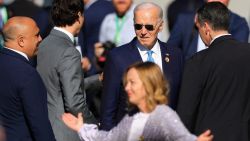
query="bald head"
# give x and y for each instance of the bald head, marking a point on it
(22, 34)
(15, 27)
(149, 5)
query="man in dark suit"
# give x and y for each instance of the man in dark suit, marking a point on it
(216, 81)
(23, 102)
(94, 13)
(59, 64)
(186, 37)
(147, 23)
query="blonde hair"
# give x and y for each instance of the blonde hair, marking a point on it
(156, 86)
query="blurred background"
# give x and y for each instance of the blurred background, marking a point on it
(241, 7)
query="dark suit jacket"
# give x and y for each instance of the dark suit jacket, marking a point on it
(215, 91)
(113, 102)
(23, 102)
(89, 35)
(185, 36)
(93, 18)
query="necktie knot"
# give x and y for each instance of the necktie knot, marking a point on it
(150, 57)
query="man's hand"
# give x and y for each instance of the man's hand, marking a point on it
(99, 49)
(86, 65)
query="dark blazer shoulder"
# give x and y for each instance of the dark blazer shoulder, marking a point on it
(124, 47)
(125, 50)
(238, 27)
(170, 48)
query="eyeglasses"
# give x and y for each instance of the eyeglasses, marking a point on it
(149, 27)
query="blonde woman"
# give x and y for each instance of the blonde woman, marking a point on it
(153, 120)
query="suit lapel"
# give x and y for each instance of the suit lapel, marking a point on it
(166, 58)
(133, 53)
(135, 56)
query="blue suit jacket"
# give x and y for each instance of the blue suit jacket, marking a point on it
(23, 102)
(113, 102)
(185, 36)
(89, 35)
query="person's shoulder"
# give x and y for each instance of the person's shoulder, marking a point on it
(103, 3)
(109, 17)
(236, 17)
(56, 39)
(16, 62)
(198, 57)
(24, 71)
(163, 107)
(165, 111)
(170, 48)
(121, 49)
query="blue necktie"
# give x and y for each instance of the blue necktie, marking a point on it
(150, 57)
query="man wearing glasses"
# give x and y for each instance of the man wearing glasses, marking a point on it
(144, 47)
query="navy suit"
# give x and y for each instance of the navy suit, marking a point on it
(23, 102)
(113, 103)
(185, 36)
(93, 17)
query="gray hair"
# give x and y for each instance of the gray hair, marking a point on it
(148, 5)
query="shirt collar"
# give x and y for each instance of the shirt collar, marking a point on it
(218, 37)
(19, 52)
(70, 35)
(155, 49)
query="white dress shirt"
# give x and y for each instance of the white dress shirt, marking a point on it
(156, 53)
(201, 45)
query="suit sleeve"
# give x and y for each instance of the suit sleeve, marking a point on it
(92, 82)
(34, 99)
(71, 78)
(190, 94)
(110, 96)
(176, 130)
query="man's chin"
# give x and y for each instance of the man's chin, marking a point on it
(145, 44)
(143, 41)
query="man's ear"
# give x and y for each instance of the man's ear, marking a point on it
(20, 41)
(207, 28)
(161, 26)
(79, 15)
